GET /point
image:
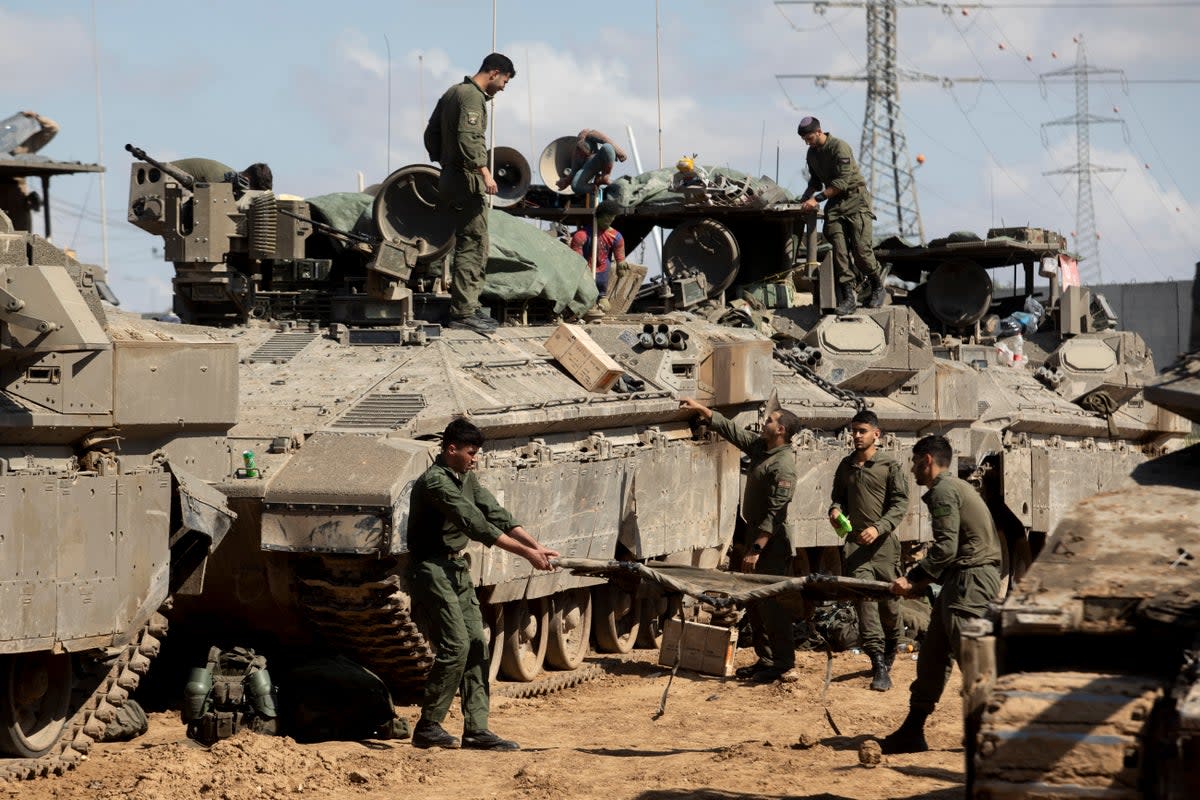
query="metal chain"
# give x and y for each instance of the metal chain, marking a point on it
(805, 371)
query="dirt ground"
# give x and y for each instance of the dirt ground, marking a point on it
(717, 740)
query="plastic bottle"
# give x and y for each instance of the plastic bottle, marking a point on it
(843, 526)
(248, 460)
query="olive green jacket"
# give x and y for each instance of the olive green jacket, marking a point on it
(832, 164)
(770, 481)
(875, 493)
(462, 112)
(447, 510)
(964, 534)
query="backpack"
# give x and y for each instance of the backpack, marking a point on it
(130, 722)
(331, 698)
(433, 134)
(233, 691)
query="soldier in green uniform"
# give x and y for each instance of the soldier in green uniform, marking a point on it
(965, 559)
(870, 487)
(835, 180)
(764, 546)
(448, 509)
(456, 129)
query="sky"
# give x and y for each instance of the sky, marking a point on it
(324, 91)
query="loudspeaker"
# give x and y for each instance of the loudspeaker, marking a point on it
(406, 209)
(555, 162)
(512, 175)
(959, 292)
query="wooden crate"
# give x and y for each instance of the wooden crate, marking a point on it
(585, 360)
(708, 649)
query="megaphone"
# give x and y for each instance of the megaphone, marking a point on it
(510, 170)
(555, 162)
(959, 292)
(406, 209)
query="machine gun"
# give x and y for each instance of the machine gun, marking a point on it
(185, 180)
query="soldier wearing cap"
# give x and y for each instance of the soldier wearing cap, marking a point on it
(965, 559)
(458, 123)
(835, 180)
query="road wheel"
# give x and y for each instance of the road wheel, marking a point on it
(617, 619)
(570, 628)
(526, 629)
(34, 704)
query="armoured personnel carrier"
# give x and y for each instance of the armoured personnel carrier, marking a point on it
(346, 379)
(102, 423)
(1085, 683)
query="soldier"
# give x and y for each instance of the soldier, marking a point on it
(965, 559)
(765, 546)
(448, 509)
(870, 487)
(847, 213)
(456, 129)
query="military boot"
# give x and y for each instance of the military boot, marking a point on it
(909, 737)
(881, 680)
(889, 654)
(847, 302)
(878, 293)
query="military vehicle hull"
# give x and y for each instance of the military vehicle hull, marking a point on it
(340, 431)
(98, 525)
(1085, 682)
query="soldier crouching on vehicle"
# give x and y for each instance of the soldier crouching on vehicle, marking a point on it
(449, 508)
(965, 559)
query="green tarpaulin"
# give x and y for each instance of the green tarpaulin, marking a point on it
(524, 262)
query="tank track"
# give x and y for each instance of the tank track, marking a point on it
(96, 708)
(1050, 735)
(371, 620)
(548, 682)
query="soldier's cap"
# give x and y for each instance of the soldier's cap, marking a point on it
(808, 125)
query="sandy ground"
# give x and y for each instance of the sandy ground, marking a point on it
(717, 739)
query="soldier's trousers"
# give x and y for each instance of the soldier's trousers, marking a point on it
(964, 596)
(851, 237)
(879, 624)
(770, 623)
(442, 589)
(469, 262)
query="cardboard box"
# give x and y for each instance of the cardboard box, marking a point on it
(583, 358)
(706, 648)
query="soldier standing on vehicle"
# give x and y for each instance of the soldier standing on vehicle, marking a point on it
(965, 559)
(454, 136)
(871, 489)
(764, 546)
(448, 509)
(835, 180)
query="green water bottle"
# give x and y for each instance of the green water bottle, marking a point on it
(843, 527)
(248, 460)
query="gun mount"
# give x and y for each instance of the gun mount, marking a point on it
(243, 254)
